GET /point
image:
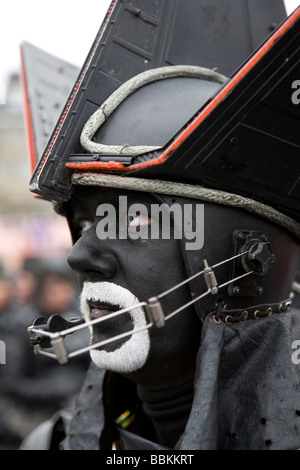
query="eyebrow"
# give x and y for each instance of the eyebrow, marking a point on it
(80, 212)
(83, 210)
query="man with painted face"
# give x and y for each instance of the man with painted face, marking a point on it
(116, 274)
(186, 273)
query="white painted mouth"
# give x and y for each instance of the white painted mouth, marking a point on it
(133, 354)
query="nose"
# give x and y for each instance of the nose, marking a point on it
(92, 266)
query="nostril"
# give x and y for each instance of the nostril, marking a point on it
(104, 267)
(97, 274)
(90, 271)
(91, 266)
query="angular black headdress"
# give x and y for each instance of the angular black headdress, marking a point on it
(243, 140)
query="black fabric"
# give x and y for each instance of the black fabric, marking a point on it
(246, 392)
(88, 420)
(247, 387)
(169, 411)
(103, 398)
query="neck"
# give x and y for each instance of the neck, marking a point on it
(168, 410)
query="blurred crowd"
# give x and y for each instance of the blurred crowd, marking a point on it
(32, 386)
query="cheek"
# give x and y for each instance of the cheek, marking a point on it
(177, 342)
(153, 266)
(145, 267)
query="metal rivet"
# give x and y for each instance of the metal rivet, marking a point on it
(256, 314)
(244, 315)
(270, 311)
(236, 290)
(216, 320)
(227, 320)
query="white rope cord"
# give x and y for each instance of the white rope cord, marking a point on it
(296, 287)
(189, 191)
(115, 99)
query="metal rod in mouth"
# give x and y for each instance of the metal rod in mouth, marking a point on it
(63, 333)
(229, 259)
(235, 279)
(169, 291)
(110, 340)
(100, 343)
(86, 324)
(137, 330)
(186, 305)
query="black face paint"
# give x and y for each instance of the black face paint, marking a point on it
(145, 267)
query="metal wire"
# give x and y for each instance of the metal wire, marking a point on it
(63, 333)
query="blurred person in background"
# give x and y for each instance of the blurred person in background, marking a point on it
(56, 295)
(25, 284)
(6, 288)
(33, 388)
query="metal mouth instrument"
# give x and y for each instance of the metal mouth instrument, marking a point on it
(50, 334)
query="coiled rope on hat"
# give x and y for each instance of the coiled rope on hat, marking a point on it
(158, 186)
(190, 191)
(98, 118)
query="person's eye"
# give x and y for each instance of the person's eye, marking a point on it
(85, 225)
(137, 220)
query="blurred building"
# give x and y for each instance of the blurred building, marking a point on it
(28, 225)
(14, 164)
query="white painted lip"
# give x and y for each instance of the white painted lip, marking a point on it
(132, 354)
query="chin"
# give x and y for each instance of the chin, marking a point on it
(132, 354)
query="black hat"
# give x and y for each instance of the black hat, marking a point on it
(243, 139)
